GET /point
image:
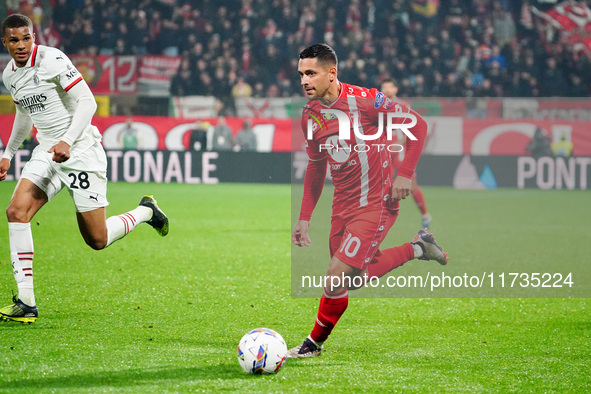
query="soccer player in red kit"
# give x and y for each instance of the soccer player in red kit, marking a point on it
(390, 90)
(366, 199)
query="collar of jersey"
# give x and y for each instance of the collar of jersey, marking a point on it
(32, 59)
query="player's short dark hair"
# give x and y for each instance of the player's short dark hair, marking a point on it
(323, 52)
(390, 80)
(15, 21)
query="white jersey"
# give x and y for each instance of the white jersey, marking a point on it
(39, 90)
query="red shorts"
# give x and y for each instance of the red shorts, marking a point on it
(355, 237)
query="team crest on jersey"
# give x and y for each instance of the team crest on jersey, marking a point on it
(36, 79)
(329, 116)
(379, 100)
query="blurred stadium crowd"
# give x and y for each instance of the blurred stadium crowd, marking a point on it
(446, 48)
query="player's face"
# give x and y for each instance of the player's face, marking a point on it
(317, 78)
(389, 89)
(19, 42)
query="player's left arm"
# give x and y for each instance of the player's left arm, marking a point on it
(85, 109)
(403, 181)
(404, 116)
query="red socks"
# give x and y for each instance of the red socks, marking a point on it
(331, 308)
(333, 305)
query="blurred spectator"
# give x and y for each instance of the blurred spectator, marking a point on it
(128, 136)
(121, 48)
(553, 80)
(87, 39)
(562, 148)
(577, 88)
(259, 90)
(207, 87)
(485, 89)
(241, 88)
(198, 136)
(539, 145)
(155, 26)
(496, 56)
(184, 82)
(246, 139)
(504, 26)
(140, 32)
(108, 40)
(273, 91)
(222, 136)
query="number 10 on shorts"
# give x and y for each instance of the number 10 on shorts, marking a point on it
(350, 245)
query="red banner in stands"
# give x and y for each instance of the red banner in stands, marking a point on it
(506, 137)
(108, 74)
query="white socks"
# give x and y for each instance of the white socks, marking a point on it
(21, 246)
(21, 255)
(418, 250)
(119, 226)
(319, 344)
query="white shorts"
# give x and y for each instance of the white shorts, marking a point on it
(85, 176)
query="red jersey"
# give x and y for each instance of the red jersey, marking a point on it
(361, 167)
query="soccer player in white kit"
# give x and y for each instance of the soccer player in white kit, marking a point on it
(50, 94)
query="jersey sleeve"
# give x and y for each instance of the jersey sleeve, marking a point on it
(61, 67)
(413, 148)
(316, 169)
(313, 185)
(312, 146)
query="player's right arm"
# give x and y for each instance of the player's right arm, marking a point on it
(20, 130)
(313, 185)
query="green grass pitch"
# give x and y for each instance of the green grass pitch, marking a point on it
(153, 314)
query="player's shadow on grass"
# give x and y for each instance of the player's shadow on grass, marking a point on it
(132, 377)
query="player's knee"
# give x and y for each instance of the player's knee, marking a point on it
(16, 215)
(96, 243)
